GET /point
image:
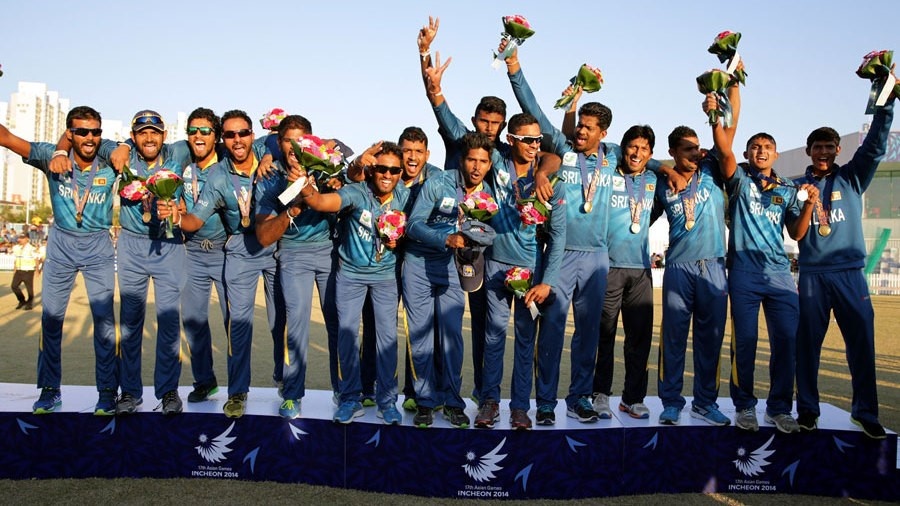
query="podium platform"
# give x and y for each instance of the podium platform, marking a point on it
(568, 460)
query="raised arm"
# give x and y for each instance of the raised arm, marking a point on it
(15, 144)
(874, 147)
(723, 137)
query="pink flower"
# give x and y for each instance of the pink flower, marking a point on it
(134, 190)
(518, 19)
(392, 224)
(724, 34)
(272, 119)
(518, 280)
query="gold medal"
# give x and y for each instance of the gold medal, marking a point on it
(825, 230)
(78, 217)
(588, 207)
(245, 221)
(146, 216)
(635, 228)
(689, 224)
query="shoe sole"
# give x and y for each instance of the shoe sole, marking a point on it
(869, 435)
(45, 411)
(698, 416)
(632, 414)
(192, 398)
(590, 419)
(104, 412)
(422, 425)
(484, 424)
(356, 414)
(771, 420)
(748, 428)
(668, 422)
(289, 416)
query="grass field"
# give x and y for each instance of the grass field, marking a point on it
(19, 338)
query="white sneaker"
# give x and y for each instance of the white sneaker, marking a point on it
(601, 406)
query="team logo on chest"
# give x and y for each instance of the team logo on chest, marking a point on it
(447, 204)
(365, 218)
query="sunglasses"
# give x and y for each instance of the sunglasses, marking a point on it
(381, 169)
(527, 139)
(231, 134)
(147, 119)
(83, 132)
(202, 130)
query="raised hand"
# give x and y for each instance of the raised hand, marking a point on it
(427, 34)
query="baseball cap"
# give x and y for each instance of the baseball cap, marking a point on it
(478, 232)
(147, 119)
(470, 266)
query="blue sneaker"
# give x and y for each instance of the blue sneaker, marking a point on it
(347, 411)
(670, 415)
(106, 404)
(49, 401)
(390, 416)
(289, 409)
(710, 414)
(583, 411)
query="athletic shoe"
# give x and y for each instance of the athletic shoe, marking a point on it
(710, 414)
(424, 417)
(347, 411)
(171, 403)
(289, 409)
(488, 413)
(872, 429)
(202, 392)
(637, 410)
(746, 420)
(28, 306)
(390, 416)
(546, 415)
(128, 404)
(106, 404)
(601, 406)
(784, 422)
(519, 420)
(456, 416)
(49, 401)
(368, 402)
(808, 421)
(583, 411)
(670, 416)
(409, 404)
(235, 405)
(21, 304)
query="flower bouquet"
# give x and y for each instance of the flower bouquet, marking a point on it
(164, 184)
(518, 281)
(272, 119)
(725, 47)
(876, 66)
(717, 81)
(321, 162)
(532, 211)
(479, 206)
(391, 226)
(515, 30)
(134, 191)
(588, 78)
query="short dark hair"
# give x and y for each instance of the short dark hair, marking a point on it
(599, 111)
(413, 134)
(823, 134)
(680, 132)
(474, 140)
(208, 115)
(82, 112)
(519, 120)
(237, 113)
(294, 121)
(763, 136)
(390, 148)
(639, 132)
(491, 104)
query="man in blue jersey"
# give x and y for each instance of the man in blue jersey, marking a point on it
(760, 205)
(229, 192)
(145, 253)
(832, 255)
(432, 295)
(205, 256)
(517, 245)
(367, 267)
(489, 119)
(79, 241)
(629, 288)
(305, 257)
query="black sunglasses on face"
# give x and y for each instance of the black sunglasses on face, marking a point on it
(83, 132)
(381, 169)
(231, 134)
(202, 130)
(527, 139)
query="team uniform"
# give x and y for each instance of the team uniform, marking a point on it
(76, 246)
(831, 276)
(759, 273)
(432, 296)
(205, 269)
(452, 129)
(245, 261)
(144, 252)
(365, 270)
(305, 256)
(694, 288)
(629, 287)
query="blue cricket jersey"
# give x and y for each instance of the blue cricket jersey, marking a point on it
(220, 195)
(194, 180)
(435, 215)
(309, 229)
(173, 157)
(629, 249)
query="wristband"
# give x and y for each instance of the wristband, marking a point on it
(439, 93)
(178, 223)
(60, 152)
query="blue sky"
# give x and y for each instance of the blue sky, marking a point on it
(352, 67)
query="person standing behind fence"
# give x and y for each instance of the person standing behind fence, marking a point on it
(26, 256)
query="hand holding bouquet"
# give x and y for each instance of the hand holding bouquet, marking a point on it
(164, 184)
(725, 47)
(518, 281)
(392, 224)
(588, 79)
(878, 67)
(479, 206)
(532, 211)
(515, 30)
(717, 82)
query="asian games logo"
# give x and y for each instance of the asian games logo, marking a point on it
(214, 450)
(752, 464)
(482, 469)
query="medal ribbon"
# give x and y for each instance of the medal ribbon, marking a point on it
(81, 201)
(514, 179)
(823, 205)
(589, 189)
(689, 198)
(635, 202)
(243, 197)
